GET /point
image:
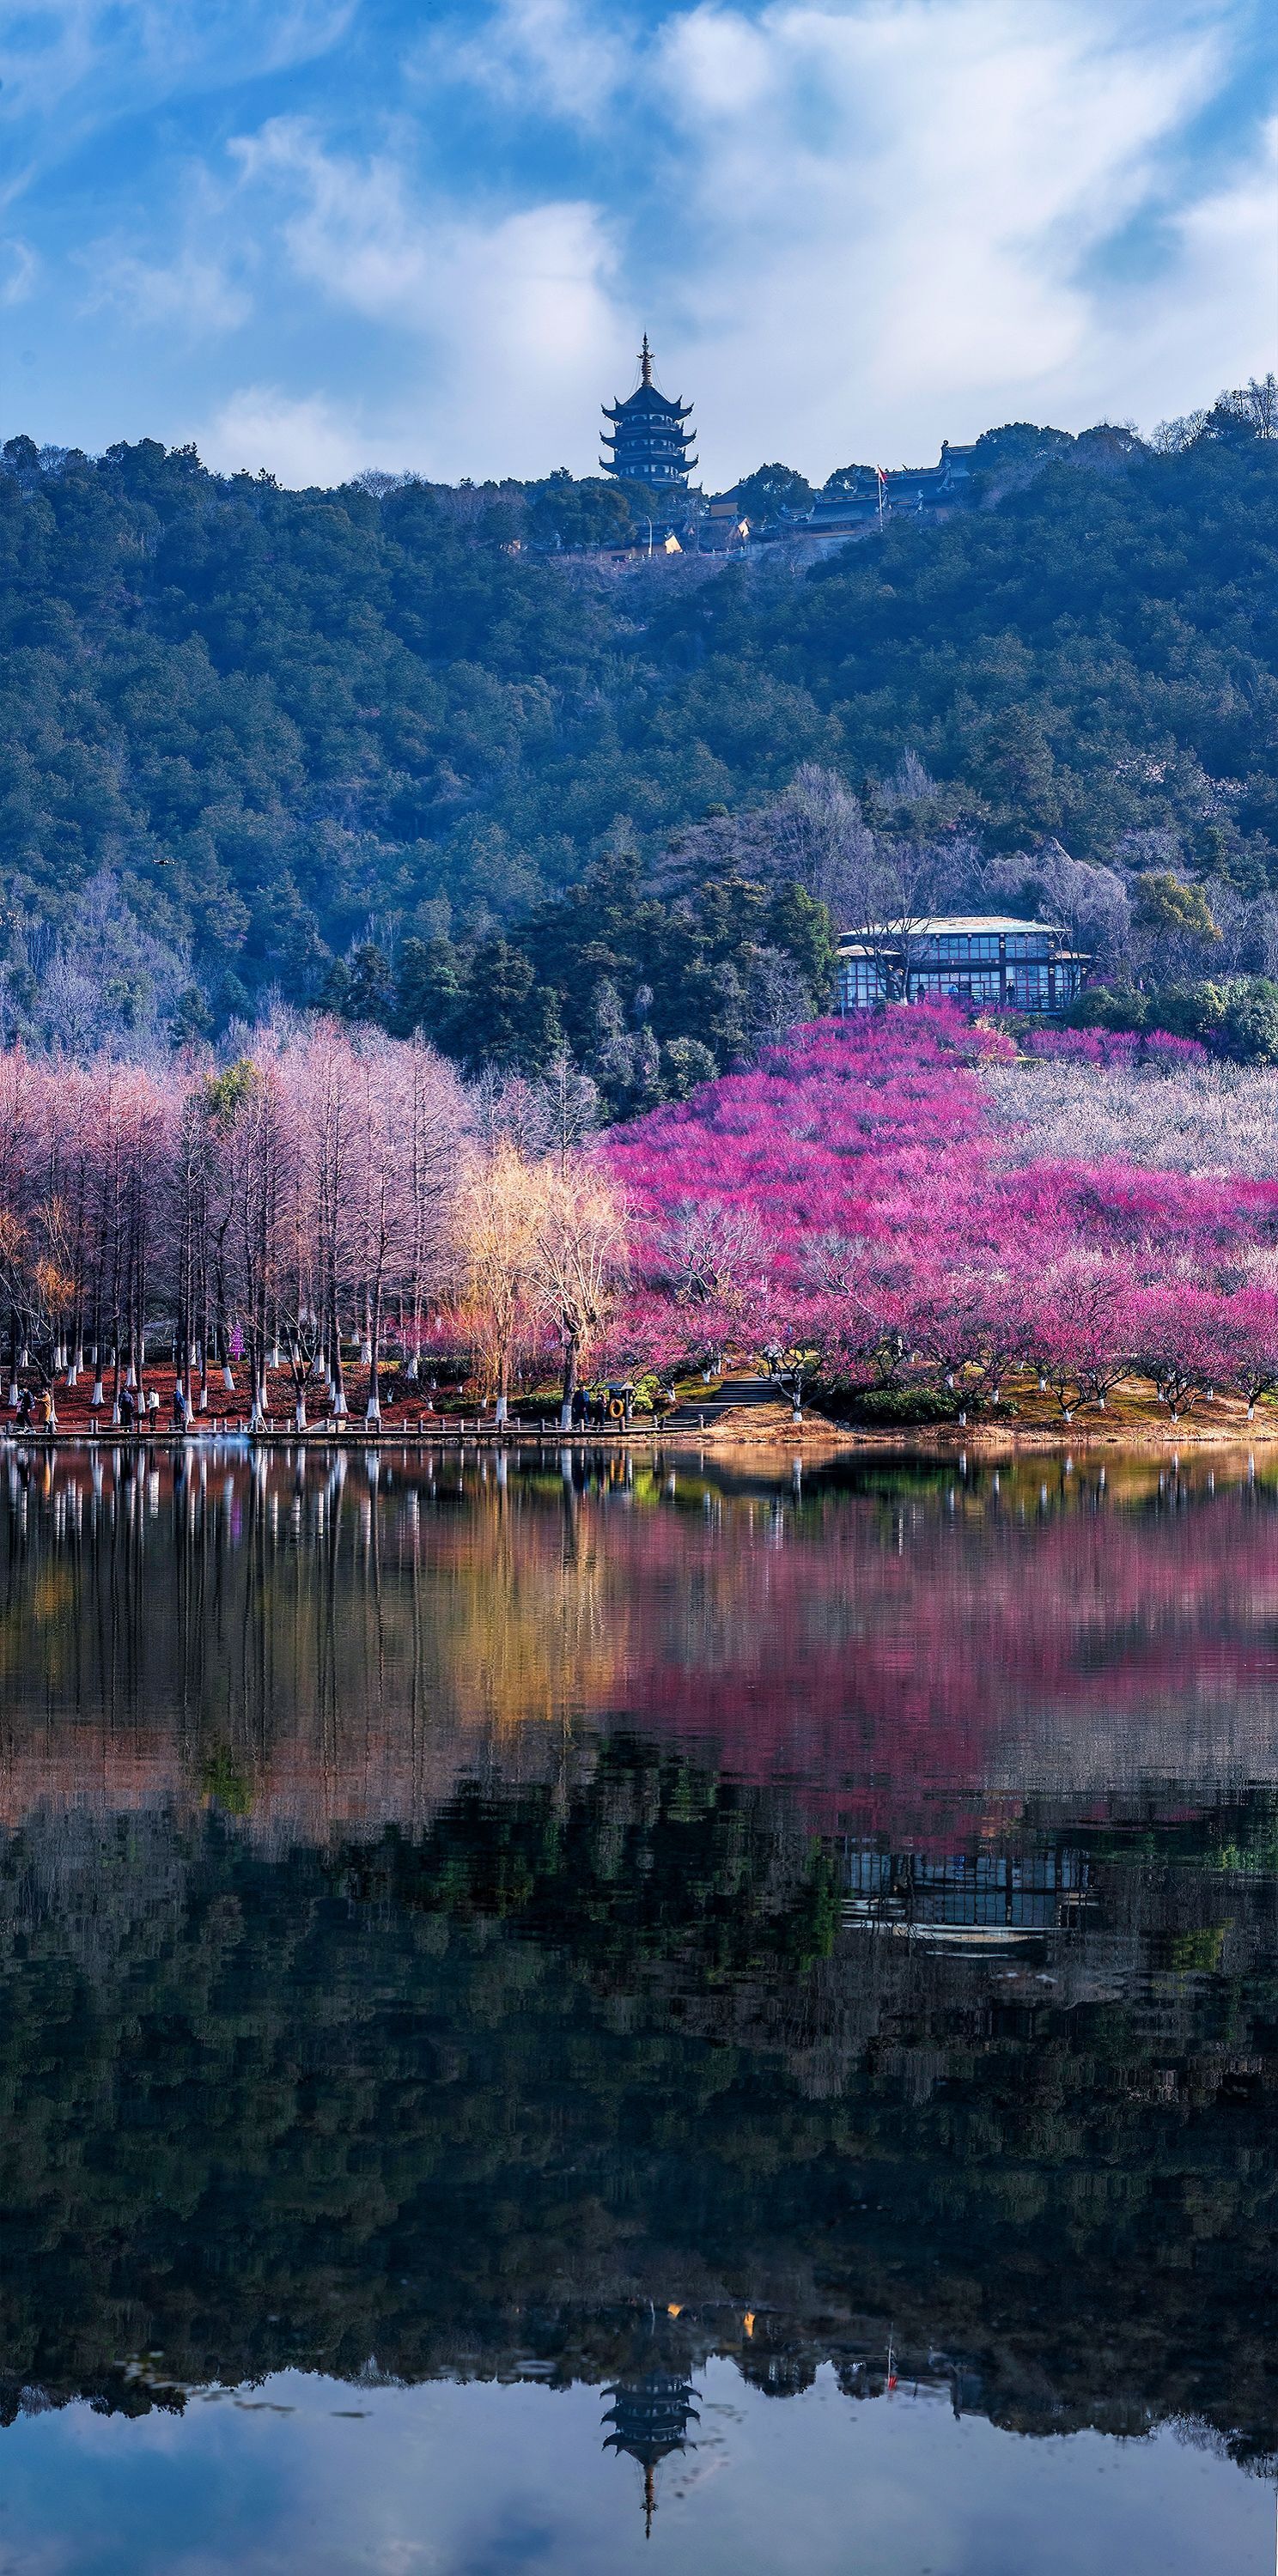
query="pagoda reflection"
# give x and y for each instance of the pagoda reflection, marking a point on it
(650, 2415)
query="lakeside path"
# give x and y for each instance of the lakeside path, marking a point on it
(737, 1414)
(784, 1441)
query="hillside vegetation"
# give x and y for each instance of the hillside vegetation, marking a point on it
(258, 739)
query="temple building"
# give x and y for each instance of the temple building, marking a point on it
(648, 440)
(860, 495)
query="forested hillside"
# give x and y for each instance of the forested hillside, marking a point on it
(348, 745)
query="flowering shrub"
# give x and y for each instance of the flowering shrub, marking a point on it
(842, 1206)
(1120, 1047)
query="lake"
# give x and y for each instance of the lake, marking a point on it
(568, 2013)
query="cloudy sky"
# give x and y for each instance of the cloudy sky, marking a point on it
(318, 235)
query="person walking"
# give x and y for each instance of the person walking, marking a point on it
(126, 1408)
(181, 1408)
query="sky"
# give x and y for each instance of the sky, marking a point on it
(299, 2471)
(326, 235)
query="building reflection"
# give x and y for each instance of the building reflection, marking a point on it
(650, 2415)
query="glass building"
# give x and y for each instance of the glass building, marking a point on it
(987, 959)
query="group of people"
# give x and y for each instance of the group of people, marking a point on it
(37, 1412)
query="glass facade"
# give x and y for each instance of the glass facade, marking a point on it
(1022, 967)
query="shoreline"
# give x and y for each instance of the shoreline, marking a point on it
(806, 1439)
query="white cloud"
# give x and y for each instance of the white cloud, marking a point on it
(193, 293)
(70, 67)
(512, 310)
(898, 207)
(20, 267)
(1220, 301)
(554, 56)
(301, 440)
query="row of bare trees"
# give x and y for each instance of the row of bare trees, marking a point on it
(323, 1199)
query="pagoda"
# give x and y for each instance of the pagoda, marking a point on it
(650, 2420)
(648, 440)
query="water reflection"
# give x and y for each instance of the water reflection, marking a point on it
(594, 1922)
(339, 1643)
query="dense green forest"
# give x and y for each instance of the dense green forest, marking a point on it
(351, 746)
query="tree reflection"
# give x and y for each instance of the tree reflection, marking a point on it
(451, 1917)
(347, 1640)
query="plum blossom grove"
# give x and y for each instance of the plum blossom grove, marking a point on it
(847, 1206)
(331, 1216)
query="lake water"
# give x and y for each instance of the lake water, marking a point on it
(574, 2014)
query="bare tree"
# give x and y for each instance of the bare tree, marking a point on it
(502, 1210)
(816, 833)
(578, 1261)
(438, 1130)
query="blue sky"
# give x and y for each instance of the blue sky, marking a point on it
(319, 235)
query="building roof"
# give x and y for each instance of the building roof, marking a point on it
(983, 925)
(646, 398)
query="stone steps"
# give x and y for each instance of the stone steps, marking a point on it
(733, 1396)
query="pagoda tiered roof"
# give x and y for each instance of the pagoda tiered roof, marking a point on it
(649, 443)
(646, 398)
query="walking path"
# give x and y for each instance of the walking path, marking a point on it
(734, 1395)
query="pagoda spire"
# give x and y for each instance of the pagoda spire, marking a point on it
(645, 361)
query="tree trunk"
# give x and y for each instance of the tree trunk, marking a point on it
(570, 1381)
(340, 1406)
(373, 1317)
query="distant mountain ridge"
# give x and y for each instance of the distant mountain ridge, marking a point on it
(266, 729)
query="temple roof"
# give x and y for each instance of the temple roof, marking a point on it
(645, 397)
